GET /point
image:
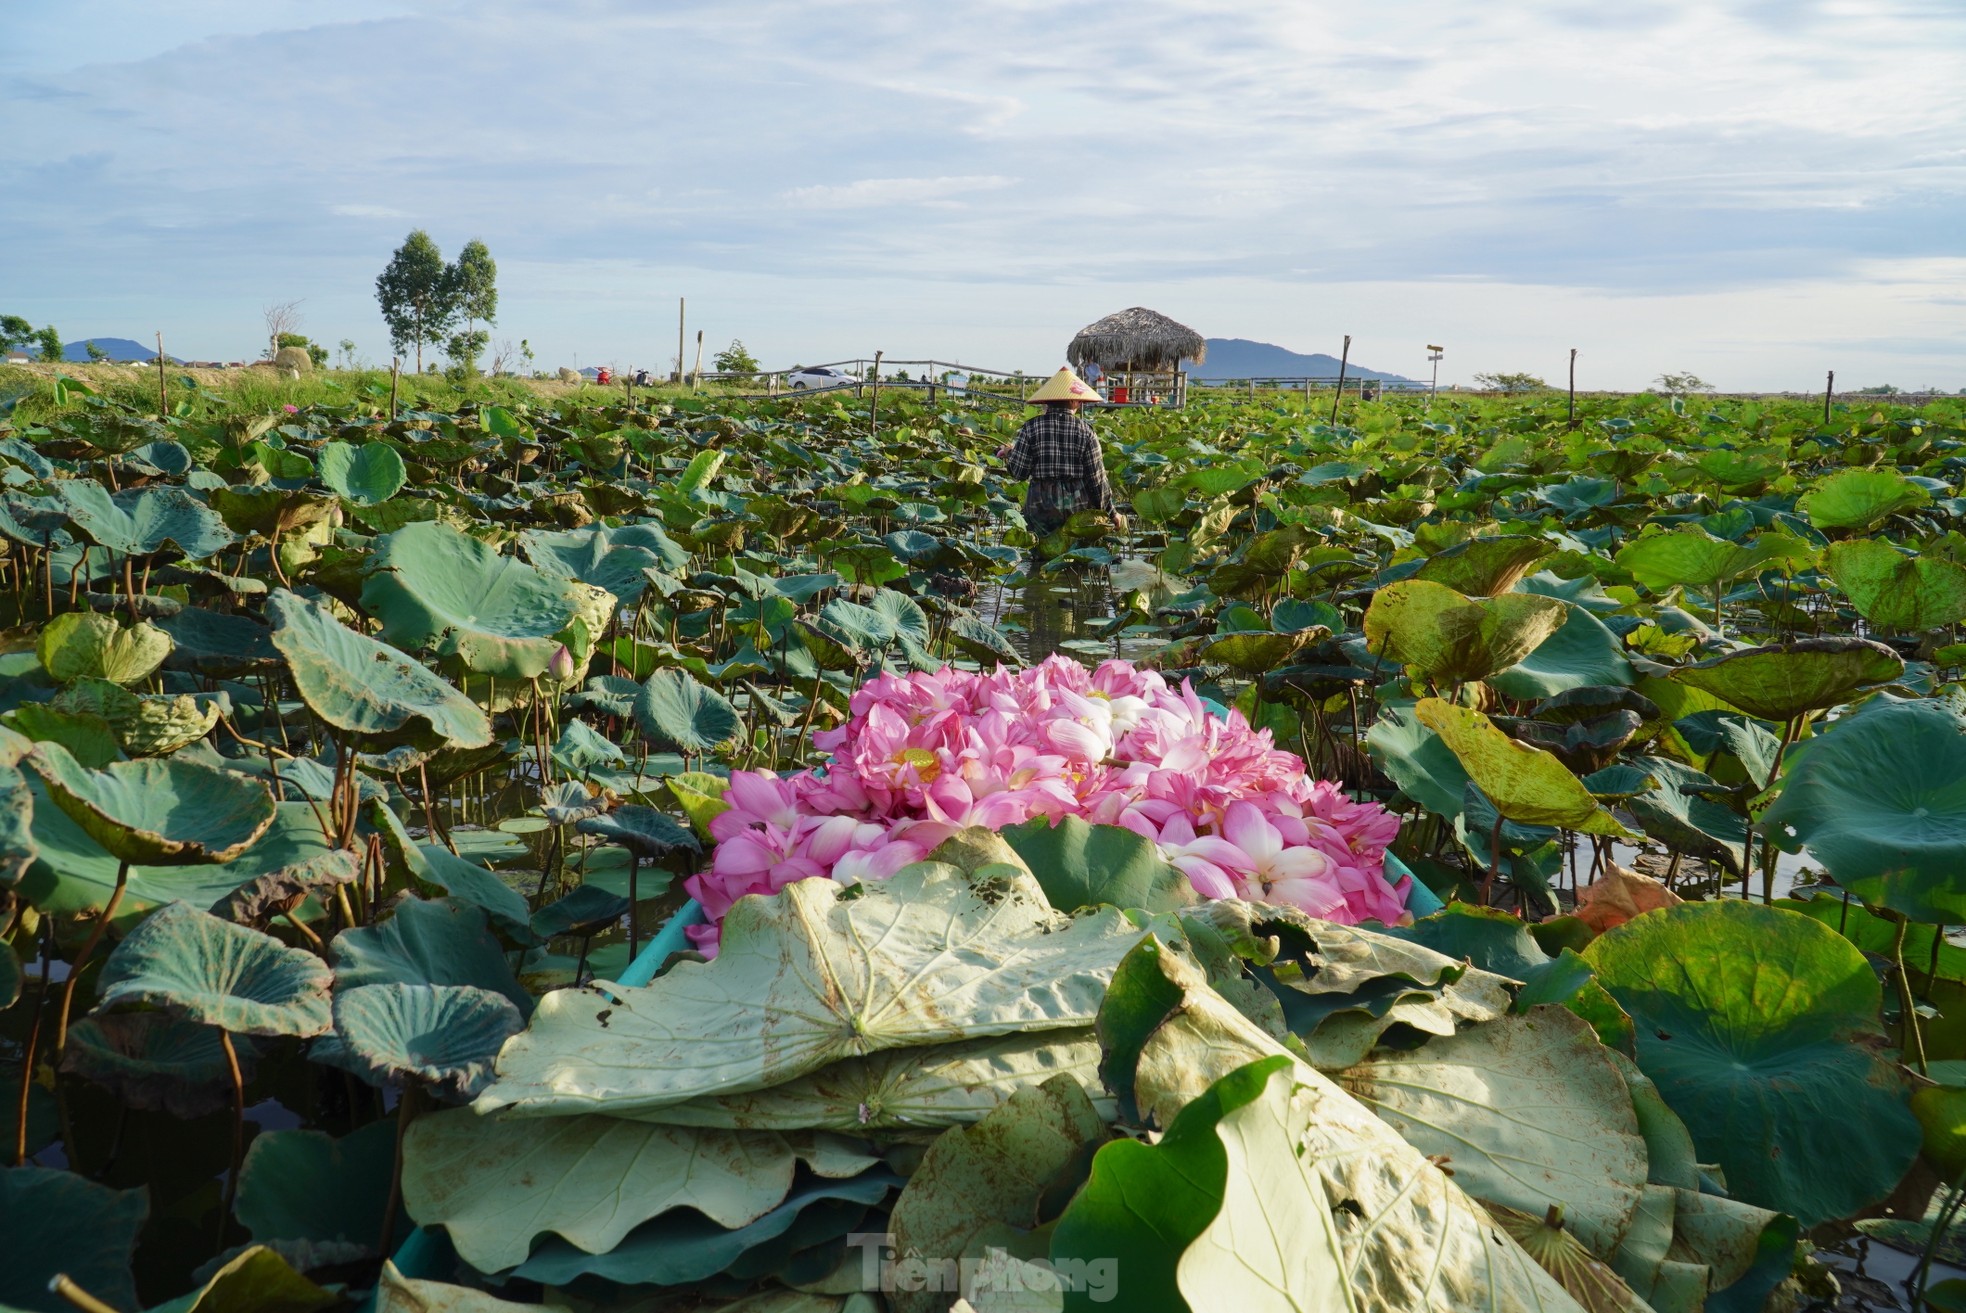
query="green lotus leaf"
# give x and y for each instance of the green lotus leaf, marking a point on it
(904, 1089)
(494, 615)
(1879, 798)
(680, 715)
(1526, 784)
(438, 942)
(216, 644)
(72, 874)
(86, 734)
(285, 891)
(1252, 653)
(10, 976)
(684, 1248)
(1080, 865)
(443, 1036)
(1690, 557)
(257, 1280)
(1417, 760)
(1582, 653)
(1941, 1113)
(158, 812)
(1678, 811)
(603, 557)
(153, 1060)
(144, 724)
(1760, 1028)
(981, 642)
(396, 1293)
(141, 521)
(266, 509)
(976, 1182)
(62, 1222)
(18, 847)
(1491, 939)
(1416, 1241)
(581, 749)
(649, 834)
(90, 645)
(1895, 590)
(367, 688)
(1860, 499)
(366, 474)
(813, 975)
(218, 974)
(467, 882)
(496, 1185)
(1469, 1098)
(307, 1185)
(1483, 567)
(1784, 680)
(586, 911)
(1453, 639)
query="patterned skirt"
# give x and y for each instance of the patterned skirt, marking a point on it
(1048, 503)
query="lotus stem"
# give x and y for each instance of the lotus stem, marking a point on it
(33, 1042)
(306, 933)
(61, 1284)
(82, 960)
(238, 1133)
(405, 1113)
(634, 903)
(1947, 1213)
(1910, 1036)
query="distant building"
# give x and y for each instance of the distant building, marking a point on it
(18, 358)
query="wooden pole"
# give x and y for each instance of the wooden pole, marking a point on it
(696, 374)
(395, 376)
(1344, 359)
(1829, 390)
(163, 399)
(679, 340)
(875, 404)
(1573, 387)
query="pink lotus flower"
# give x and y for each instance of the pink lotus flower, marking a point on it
(925, 755)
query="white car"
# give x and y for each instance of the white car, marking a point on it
(821, 376)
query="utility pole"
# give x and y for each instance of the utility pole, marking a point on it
(680, 303)
(1434, 355)
(1573, 387)
(1829, 391)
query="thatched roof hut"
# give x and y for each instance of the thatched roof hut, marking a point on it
(1137, 339)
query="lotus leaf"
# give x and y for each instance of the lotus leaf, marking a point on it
(1880, 800)
(681, 1248)
(1785, 680)
(62, 1222)
(427, 943)
(89, 645)
(396, 1293)
(1525, 784)
(1490, 939)
(154, 1060)
(643, 831)
(1252, 653)
(1860, 499)
(73, 874)
(307, 1185)
(1531, 1111)
(216, 644)
(1418, 760)
(1081, 865)
(218, 974)
(1483, 567)
(140, 521)
(1679, 810)
(1415, 1240)
(85, 734)
(18, 847)
(497, 1185)
(1759, 1027)
(158, 812)
(1690, 557)
(468, 882)
(1589, 1280)
(811, 976)
(443, 1036)
(257, 1280)
(285, 891)
(977, 1182)
(678, 714)
(494, 615)
(602, 557)
(1453, 639)
(364, 687)
(1894, 590)
(366, 474)
(1582, 653)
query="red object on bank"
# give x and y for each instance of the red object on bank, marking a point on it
(1120, 395)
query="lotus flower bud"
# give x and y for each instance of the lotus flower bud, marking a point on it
(336, 516)
(560, 665)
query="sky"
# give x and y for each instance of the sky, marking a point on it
(1756, 191)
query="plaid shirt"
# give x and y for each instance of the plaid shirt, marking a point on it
(1059, 446)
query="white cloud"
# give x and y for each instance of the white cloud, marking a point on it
(869, 192)
(368, 212)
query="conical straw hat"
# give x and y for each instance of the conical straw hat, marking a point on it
(1065, 386)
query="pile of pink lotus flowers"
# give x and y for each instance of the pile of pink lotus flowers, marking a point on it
(925, 755)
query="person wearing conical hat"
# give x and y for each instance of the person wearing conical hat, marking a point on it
(1058, 454)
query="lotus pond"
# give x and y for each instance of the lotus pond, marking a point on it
(1455, 858)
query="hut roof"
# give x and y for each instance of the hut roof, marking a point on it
(1136, 339)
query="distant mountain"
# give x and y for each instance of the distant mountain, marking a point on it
(1237, 357)
(117, 348)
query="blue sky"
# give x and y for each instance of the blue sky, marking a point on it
(1754, 190)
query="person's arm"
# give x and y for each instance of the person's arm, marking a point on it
(1102, 490)
(1018, 463)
